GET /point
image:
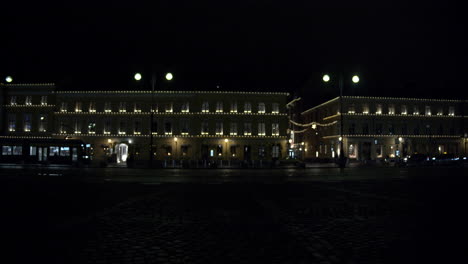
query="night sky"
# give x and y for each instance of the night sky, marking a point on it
(397, 49)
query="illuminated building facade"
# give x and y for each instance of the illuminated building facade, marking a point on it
(187, 125)
(380, 127)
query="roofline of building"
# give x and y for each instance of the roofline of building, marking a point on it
(27, 84)
(170, 92)
(384, 98)
(294, 100)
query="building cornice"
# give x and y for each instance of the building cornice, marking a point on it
(171, 92)
(395, 136)
(167, 113)
(166, 136)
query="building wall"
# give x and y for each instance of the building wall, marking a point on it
(371, 124)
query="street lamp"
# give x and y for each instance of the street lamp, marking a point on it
(354, 79)
(138, 77)
(8, 79)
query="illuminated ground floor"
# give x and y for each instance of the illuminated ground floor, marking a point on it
(374, 148)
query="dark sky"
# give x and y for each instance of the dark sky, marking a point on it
(397, 49)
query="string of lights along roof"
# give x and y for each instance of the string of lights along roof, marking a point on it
(172, 92)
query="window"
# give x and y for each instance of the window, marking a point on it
(12, 123)
(415, 110)
(92, 127)
(137, 127)
(92, 107)
(64, 151)
(351, 109)
(261, 152)
(122, 128)
(169, 107)
(205, 107)
(32, 150)
(13, 100)
(77, 126)
(261, 129)
(42, 123)
(440, 111)
(233, 129)
(440, 131)
(261, 108)
(451, 111)
(63, 107)
(204, 128)
(404, 129)
(428, 129)
(391, 129)
(7, 150)
(219, 107)
(391, 109)
(28, 100)
(17, 150)
(275, 151)
(137, 107)
(365, 108)
(219, 128)
(352, 151)
(247, 107)
(155, 107)
(233, 107)
(63, 128)
(247, 129)
(185, 107)
(123, 107)
(352, 128)
(107, 127)
(404, 111)
(54, 151)
(378, 109)
(428, 110)
(233, 151)
(107, 107)
(416, 130)
(168, 128)
(378, 129)
(275, 108)
(365, 129)
(184, 127)
(275, 129)
(27, 122)
(78, 107)
(44, 100)
(154, 128)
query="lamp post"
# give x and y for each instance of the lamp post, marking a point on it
(138, 77)
(175, 156)
(227, 153)
(355, 79)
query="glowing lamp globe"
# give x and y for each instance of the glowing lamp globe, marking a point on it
(326, 78)
(137, 76)
(355, 79)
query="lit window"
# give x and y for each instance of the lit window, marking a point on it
(205, 107)
(12, 123)
(416, 110)
(137, 107)
(247, 107)
(184, 127)
(63, 107)
(27, 122)
(204, 128)
(365, 109)
(168, 128)
(440, 111)
(261, 129)
(137, 127)
(13, 100)
(247, 129)
(219, 128)
(428, 110)
(451, 111)
(7, 150)
(275, 129)
(92, 128)
(378, 109)
(77, 126)
(275, 151)
(28, 100)
(107, 127)
(185, 107)
(63, 128)
(122, 128)
(233, 107)
(42, 123)
(169, 108)
(404, 111)
(44, 100)
(351, 109)
(123, 107)
(233, 129)
(78, 107)
(107, 107)
(261, 108)
(92, 107)
(391, 109)
(219, 107)
(275, 108)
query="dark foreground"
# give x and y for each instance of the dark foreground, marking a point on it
(234, 216)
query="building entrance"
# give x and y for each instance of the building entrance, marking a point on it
(122, 153)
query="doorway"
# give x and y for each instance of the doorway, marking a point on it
(122, 153)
